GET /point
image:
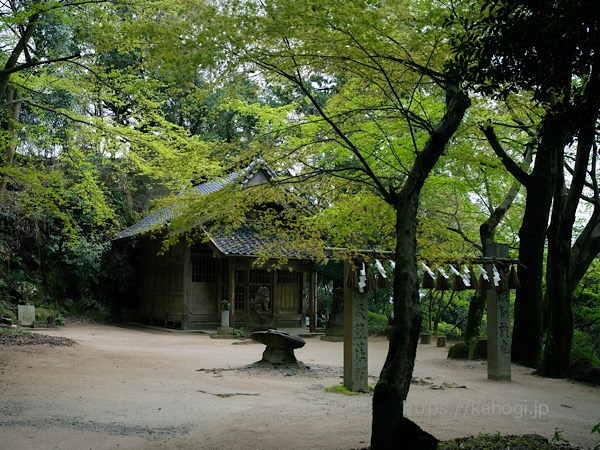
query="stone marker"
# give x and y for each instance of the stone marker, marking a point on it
(498, 322)
(26, 314)
(225, 319)
(280, 346)
(356, 333)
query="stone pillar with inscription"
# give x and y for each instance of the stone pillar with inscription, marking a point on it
(498, 320)
(356, 333)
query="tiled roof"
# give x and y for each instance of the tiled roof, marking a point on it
(248, 240)
(161, 217)
(148, 223)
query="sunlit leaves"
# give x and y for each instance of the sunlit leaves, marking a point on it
(364, 90)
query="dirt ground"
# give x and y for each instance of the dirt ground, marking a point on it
(149, 389)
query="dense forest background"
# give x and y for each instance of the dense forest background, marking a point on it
(427, 128)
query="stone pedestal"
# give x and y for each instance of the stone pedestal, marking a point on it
(278, 356)
(224, 333)
(280, 346)
(498, 321)
(441, 341)
(26, 315)
(356, 333)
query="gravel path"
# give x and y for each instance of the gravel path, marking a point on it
(151, 389)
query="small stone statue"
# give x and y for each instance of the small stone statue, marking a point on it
(259, 316)
(261, 300)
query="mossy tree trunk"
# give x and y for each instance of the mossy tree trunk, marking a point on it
(527, 331)
(557, 350)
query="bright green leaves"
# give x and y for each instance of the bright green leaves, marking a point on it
(358, 219)
(91, 100)
(363, 88)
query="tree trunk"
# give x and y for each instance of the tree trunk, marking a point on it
(476, 309)
(585, 249)
(390, 429)
(478, 299)
(487, 232)
(527, 335)
(9, 127)
(557, 350)
(396, 375)
(12, 61)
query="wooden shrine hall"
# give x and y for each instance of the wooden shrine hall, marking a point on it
(186, 286)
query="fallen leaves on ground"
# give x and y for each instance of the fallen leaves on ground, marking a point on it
(17, 336)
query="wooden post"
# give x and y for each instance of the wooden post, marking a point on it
(187, 280)
(231, 291)
(312, 303)
(498, 320)
(356, 376)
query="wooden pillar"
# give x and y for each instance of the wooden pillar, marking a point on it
(312, 302)
(356, 332)
(498, 320)
(187, 280)
(231, 291)
(304, 297)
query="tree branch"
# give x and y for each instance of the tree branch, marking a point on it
(30, 64)
(516, 171)
(334, 126)
(466, 238)
(16, 53)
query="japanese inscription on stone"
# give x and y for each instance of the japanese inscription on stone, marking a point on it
(356, 341)
(498, 307)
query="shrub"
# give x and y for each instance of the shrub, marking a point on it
(378, 324)
(478, 349)
(43, 314)
(459, 351)
(448, 330)
(582, 349)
